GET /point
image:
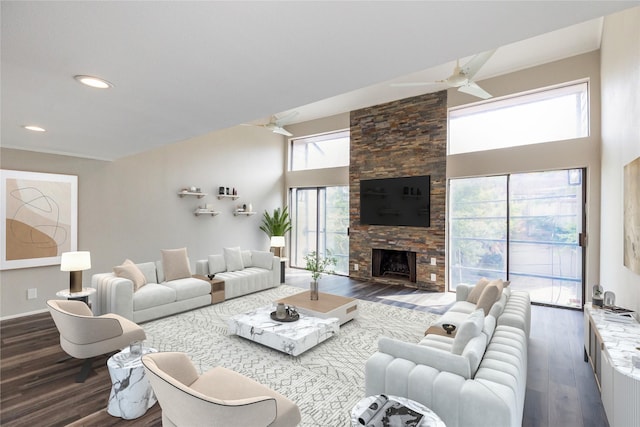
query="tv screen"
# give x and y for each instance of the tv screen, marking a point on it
(395, 201)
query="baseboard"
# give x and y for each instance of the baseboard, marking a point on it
(30, 313)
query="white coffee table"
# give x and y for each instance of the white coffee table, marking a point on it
(131, 394)
(429, 419)
(293, 338)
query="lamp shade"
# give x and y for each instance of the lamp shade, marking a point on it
(277, 241)
(75, 261)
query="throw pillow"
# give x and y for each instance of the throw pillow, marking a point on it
(217, 264)
(246, 259)
(128, 270)
(262, 259)
(477, 290)
(491, 293)
(469, 329)
(233, 258)
(175, 264)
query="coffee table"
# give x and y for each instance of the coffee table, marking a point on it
(326, 306)
(293, 338)
(430, 418)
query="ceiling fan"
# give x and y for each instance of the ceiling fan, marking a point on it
(276, 124)
(462, 76)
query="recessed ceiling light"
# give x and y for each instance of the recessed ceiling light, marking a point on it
(93, 82)
(34, 128)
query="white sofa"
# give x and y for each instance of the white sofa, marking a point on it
(243, 271)
(157, 298)
(477, 378)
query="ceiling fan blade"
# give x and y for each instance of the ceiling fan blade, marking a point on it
(283, 120)
(281, 131)
(473, 66)
(473, 89)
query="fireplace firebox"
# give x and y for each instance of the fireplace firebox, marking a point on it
(394, 264)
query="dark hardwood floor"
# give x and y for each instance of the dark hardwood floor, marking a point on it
(38, 389)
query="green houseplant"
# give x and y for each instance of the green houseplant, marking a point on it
(276, 224)
(318, 265)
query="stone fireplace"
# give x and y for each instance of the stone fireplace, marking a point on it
(392, 264)
(404, 138)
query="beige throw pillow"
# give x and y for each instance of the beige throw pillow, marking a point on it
(128, 270)
(491, 293)
(175, 264)
(475, 293)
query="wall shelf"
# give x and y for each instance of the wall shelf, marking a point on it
(236, 213)
(191, 193)
(201, 211)
(227, 196)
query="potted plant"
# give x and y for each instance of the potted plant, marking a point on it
(276, 224)
(597, 299)
(318, 265)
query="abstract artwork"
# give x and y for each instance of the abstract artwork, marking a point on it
(632, 216)
(39, 214)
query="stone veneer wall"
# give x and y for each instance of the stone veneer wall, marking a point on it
(400, 138)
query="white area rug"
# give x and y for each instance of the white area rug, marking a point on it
(325, 382)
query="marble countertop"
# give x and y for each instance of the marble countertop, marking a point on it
(621, 340)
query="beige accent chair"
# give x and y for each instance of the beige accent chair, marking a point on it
(219, 397)
(84, 336)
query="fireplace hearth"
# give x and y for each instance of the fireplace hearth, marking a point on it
(394, 264)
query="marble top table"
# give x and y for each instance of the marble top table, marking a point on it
(131, 394)
(293, 338)
(429, 419)
(622, 341)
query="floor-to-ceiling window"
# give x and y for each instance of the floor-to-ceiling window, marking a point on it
(320, 214)
(525, 228)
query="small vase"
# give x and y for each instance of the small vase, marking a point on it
(314, 290)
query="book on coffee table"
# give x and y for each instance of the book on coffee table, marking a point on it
(383, 412)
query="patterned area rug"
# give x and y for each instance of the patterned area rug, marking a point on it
(325, 382)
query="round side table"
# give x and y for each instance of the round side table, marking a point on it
(131, 394)
(80, 296)
(429, 419)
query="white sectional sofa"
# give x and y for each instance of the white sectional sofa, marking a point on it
(243, 271)
(477, 378)
(156, 298)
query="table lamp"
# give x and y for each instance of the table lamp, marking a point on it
(75, 262)
(277, 242)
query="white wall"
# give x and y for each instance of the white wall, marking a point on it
(129, 208)
(620, 70)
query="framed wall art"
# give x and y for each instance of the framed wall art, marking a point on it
(632, 216)
(39, 214)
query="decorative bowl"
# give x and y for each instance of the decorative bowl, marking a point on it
(211, 276)
(449, 328)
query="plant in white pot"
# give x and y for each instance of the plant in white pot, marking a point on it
(318, 266)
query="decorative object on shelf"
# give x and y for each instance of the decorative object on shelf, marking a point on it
(227, 191)
(221, 190)
(318, 266)
(75, 263)
(276, 225)
(597, 299)
(609, 299)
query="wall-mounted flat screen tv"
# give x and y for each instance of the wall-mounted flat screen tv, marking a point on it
(396, 201)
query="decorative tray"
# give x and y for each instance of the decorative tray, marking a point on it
(289, 318)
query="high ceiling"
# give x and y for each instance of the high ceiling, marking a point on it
(185, 68)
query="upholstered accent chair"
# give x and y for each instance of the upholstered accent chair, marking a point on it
(84, 336)
(218, 397)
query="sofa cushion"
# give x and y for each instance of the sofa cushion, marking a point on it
(246, 258)
(128, 270)
(475, 293)
(149, 271)
(233, 259)
(470, 328)
(262, 259)
(175, 264)
(490, 295)
(152, 295)
(217, 264)
(189, 288)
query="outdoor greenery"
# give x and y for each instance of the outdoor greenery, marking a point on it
(319, 265)
(277, 224)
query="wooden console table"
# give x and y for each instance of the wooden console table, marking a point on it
(609, 347)
(217, 288)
